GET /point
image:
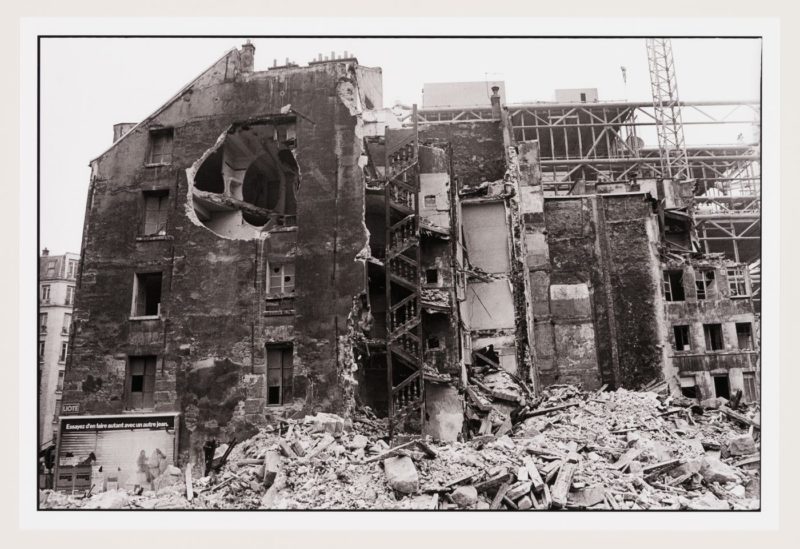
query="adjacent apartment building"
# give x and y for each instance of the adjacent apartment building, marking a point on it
(57, 276)
(273, 243)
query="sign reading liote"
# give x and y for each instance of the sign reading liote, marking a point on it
(71, 408)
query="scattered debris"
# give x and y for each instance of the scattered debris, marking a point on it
(567, 449)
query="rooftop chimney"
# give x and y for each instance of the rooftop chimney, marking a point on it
(496, 102)
(247, 56)
(121, 129)
(45, 252)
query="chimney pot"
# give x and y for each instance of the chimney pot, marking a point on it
(45, 252)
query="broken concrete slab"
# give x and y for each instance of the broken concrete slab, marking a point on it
(713, 470)
(465, 496)
(401, 474)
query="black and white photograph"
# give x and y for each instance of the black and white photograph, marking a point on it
(392, 273)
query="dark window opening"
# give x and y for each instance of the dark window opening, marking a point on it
(689, 392)
(744, 335)
(433, 342)
(704, 284)
(430, 201)
(141, 382)
(147, 298)
(673, 285)
(432, 276)
(722, 387)
(155, 212)
(160, 146)
(583, 98)
(279, 374)
(682, 342)
(713, 335)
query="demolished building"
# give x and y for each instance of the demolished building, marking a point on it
(268, 244)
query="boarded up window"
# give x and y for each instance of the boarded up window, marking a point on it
(750, 387)
(160, 146)
(279, 374)
(155, 213)
(140, 382)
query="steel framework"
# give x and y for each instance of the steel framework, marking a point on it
(669, 123)
(605, 142)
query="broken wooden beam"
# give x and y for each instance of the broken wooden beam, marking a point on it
(189, 488)
(660, 467)
(543, 411)
(496, 480)
(537, 482)
(739, 417)
(501, 493)
(391, 452)
(563, 483)
(627, 458)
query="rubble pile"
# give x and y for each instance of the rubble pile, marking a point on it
(567, 449)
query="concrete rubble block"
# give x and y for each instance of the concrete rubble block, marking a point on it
(741, 446)
(358, 442)
(465, 496)
(709, 501)
(713, 470)
(691, 466)
(401, 474)
(325, 423)
(113, 499)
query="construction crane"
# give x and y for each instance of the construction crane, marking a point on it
(669, 123)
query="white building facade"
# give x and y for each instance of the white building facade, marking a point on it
(57, 278)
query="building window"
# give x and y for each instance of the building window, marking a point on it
(70, 299)
(433, 342)
(688, 387)
(279, 374)
(673, 285)
(62, 356)
(713, 334)
(43, 322)
(41, 350)
(280, 278)
(66, 323)
(432, 276)
(583, 98)
(736, 282)
(681, 338)
(160, 146)
(146, 294)
(744, 335)
(51, 269)
(750, 387)
(704, 284)
(60, 382)
(72, 269)
(430, 201)
(57, 410)
(140, 382)
(155, 213)
(45, 293)
(722, 387)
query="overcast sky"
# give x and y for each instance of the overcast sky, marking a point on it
(88, 85)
